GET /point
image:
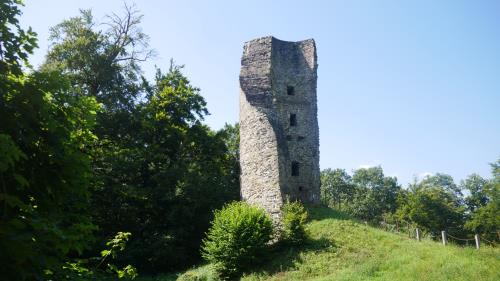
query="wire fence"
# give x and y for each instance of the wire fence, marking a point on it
(459, 239)
(412, 231)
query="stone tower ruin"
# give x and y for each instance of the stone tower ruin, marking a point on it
(279, 135)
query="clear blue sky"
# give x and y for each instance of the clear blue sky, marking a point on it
(413, 86)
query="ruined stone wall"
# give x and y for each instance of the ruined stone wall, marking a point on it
(279, 157)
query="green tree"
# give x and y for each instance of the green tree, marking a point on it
(433, 208)
(15, 43)
(444, 181)
(103, 63)
(45, 136)
(485, 218)
(231, 137)
(336, 187)
(375, 194)
(163, 187)
(158, 170)
(477, 197)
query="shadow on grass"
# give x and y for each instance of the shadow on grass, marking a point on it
(282, 256)
(319, 212)
(285, 256)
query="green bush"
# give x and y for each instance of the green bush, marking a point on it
(294, 220)
(238, 237)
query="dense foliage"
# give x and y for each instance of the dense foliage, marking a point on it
(368, 194)
(336, 187)
(294, 221)
(433, 209)
(485, 215)
(90, 148)
(237, 238)
(158, 171)
(433, 204)
(45, 137)
(15, 42)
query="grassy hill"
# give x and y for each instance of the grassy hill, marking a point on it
(342, 249)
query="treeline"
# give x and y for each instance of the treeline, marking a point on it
(92, 151)
(434, 203)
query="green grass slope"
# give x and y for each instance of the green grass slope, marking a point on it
(342, 249)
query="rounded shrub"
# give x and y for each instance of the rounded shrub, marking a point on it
(238, 237)
(294, 220)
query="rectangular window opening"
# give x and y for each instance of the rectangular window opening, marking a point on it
(293, 119)
(290, 90)
(295, 168)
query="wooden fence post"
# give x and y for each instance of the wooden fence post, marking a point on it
(443, 236)
(476, 237)
(418, 234)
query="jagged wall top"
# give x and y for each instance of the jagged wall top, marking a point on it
(259, 56)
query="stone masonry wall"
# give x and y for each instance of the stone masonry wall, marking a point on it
(277, 80)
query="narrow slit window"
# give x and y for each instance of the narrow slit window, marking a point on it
(295, 168)
(293, 119)
(290, 91)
